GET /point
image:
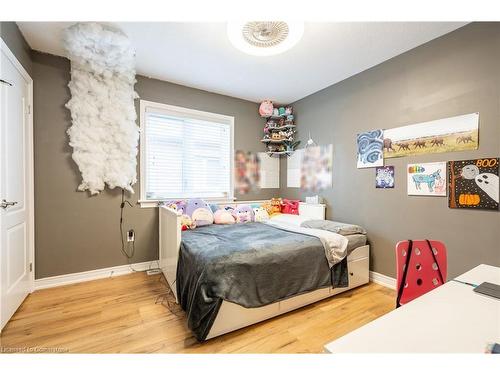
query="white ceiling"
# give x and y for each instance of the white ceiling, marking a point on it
(200, 55)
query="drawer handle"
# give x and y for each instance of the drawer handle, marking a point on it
(351, 273)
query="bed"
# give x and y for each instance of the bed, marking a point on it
(271, 278)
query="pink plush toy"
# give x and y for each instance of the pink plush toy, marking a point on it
(266, 108)
(223, 217)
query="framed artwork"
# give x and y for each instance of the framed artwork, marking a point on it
(473, 183)
(316, 168)
(427, 179)
(384, 177)
(457, 133)
(370, 149)
(246, 171)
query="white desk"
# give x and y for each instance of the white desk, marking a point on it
(449, 319)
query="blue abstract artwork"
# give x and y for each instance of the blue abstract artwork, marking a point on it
(370, 149)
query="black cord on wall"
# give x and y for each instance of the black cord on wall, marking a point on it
(127, 252)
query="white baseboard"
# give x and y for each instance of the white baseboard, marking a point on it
(72, 278)
(384, 280)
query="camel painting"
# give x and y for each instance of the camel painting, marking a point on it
(419, 144)
(465, 139)
(450, 134)
(438, 141)
(403, 146)
(388, 144)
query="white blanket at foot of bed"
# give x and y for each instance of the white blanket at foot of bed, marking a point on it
(335, 244)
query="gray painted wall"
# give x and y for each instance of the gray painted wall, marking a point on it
(456, 74)
(76, 232)
(11, 35)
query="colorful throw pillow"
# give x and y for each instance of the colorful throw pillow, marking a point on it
(199, 211)
(274, 207)
(290, 207)
(243, 213)
(260, 214)
(223, 216)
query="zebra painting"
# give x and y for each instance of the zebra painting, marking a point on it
(427, 179)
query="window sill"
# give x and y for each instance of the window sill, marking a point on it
(154, 203)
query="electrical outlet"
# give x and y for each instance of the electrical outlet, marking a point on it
(130, 235)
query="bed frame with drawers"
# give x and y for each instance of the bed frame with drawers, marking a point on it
(232, 316)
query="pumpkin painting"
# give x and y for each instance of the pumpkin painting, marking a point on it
(469, 199)
(474, 184)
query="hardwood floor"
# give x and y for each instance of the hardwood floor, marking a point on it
(136, 314)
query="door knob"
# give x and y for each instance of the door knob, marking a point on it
(6, 204)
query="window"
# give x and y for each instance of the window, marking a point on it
(185, 154)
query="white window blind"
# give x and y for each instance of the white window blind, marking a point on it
(188, 155)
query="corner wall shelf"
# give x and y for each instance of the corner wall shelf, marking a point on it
(279, 153)
(279, 131)
(278, 141)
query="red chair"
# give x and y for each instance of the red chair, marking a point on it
(421, 267)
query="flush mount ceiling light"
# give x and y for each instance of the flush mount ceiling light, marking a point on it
(264, 38)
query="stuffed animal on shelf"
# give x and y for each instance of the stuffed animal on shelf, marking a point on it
(243, 213)
(286, 135)
(266, 108)
(288, 110)
(276, 136)
(223, 216)
(271, 124)
(260, 214)
(187, 223)
(199, 211)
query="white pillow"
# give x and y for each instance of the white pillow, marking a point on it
(295, 220)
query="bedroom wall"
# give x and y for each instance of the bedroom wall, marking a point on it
(11, 35)
(455, 74)
(76, 232)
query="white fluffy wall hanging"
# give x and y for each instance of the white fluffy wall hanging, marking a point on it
(103, 134)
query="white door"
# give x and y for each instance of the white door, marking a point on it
(15, 192)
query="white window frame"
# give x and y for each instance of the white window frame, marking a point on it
(182, 112)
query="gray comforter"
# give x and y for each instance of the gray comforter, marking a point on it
(250, 264)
